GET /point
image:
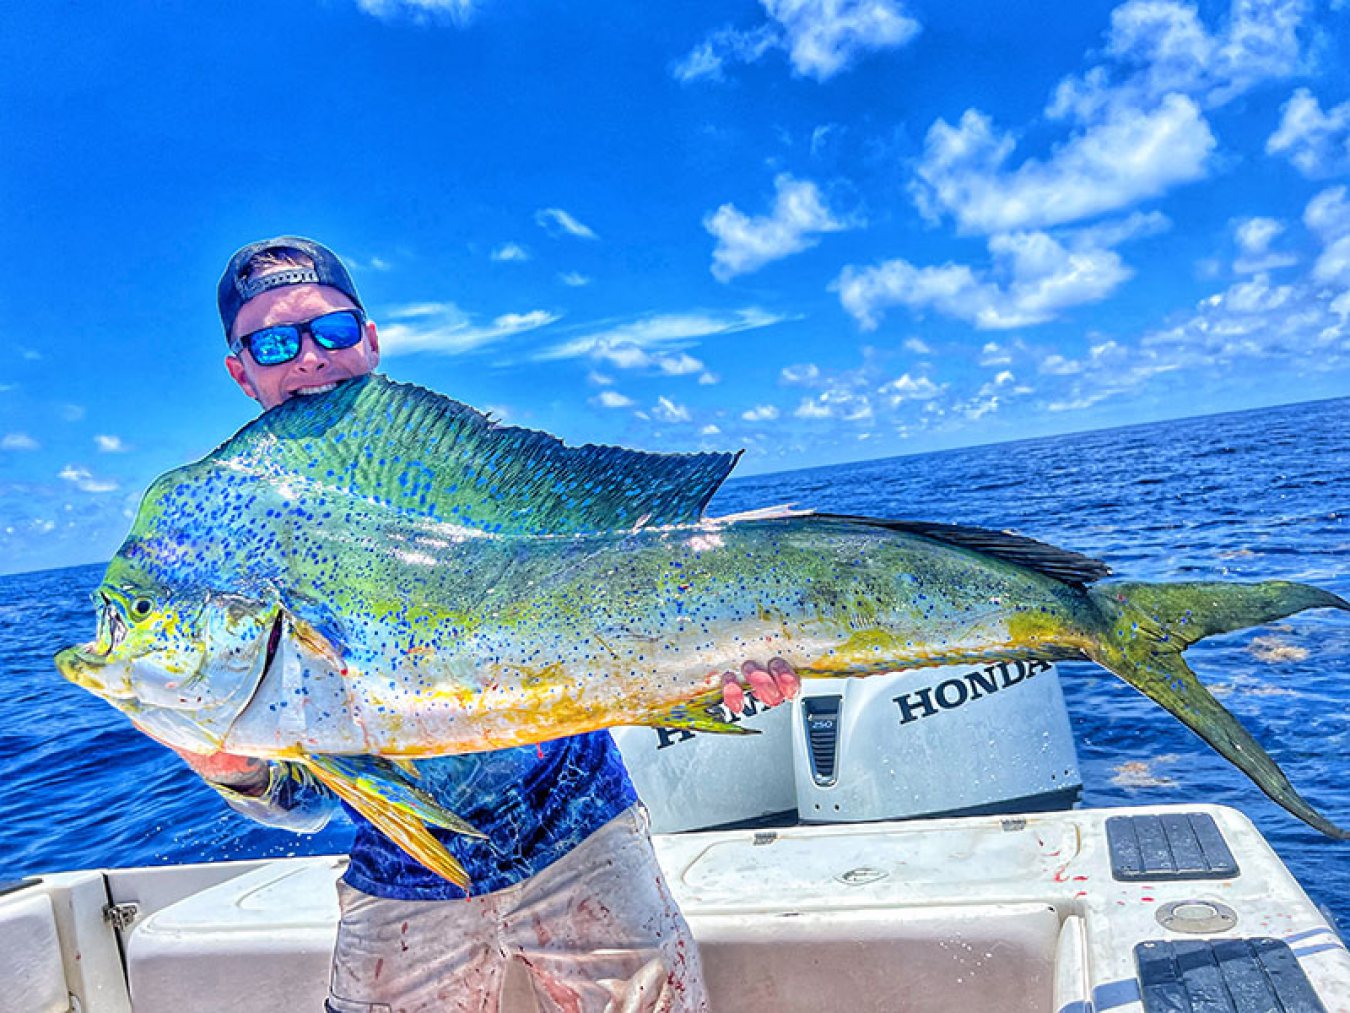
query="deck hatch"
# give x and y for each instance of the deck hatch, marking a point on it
(821, 716)
(1254, 975)
(1173, 846)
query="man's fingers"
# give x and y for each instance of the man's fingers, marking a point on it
(732, 693)
(785, 677)
(762, 684)
(770, 686)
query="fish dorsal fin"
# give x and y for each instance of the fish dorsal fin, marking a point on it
(1069, 567)
(427, 455)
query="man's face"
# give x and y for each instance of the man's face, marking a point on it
(315, 369)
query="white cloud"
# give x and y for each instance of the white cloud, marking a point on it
(1253, 237)
(1034, 277)
(1137, 127)
(708, 379)
(1328, 215)
(18, 441)
(1160, 47)
(1057, 365)
(445, 329)
(1304, 323)
(678, 365)
(836, 403)
(612, 399)
(760, 413)
(667, 410)
(909, 388)
(109, 444)
(1108, 370)
(709, 58)
(84, 481)
(557, 222)
(994, 354)
(458, 11)
(978, 407)
(800, 375)
(746, 244)
(1129, 156)
(574, 279)
(821, 137)
(1114, 231)
(918, 346)
(1317, 143)
(1078, 402)
(626, 345)
(510, 252)
(710, 429)
(821, 37)
(814, 408)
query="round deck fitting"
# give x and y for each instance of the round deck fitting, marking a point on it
(1197, 916)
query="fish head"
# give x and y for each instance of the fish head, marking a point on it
(181, 661)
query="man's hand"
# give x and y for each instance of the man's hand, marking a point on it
(771, 685)
(244, 774)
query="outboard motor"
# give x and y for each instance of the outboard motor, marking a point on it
(959, 740)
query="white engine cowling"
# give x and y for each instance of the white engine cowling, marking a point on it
(925, 742)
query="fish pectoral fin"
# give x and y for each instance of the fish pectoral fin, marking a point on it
(702, 714)
(401, 814)
(390, 779)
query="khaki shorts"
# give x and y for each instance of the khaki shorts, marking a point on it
(595, 932)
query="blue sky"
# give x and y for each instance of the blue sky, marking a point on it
(821, 230)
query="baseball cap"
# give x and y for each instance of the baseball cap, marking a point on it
(236, 288)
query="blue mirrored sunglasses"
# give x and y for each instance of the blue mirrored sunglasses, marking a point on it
(271, 346)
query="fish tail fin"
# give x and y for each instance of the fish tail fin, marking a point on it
(399, 809)
(1147, 626)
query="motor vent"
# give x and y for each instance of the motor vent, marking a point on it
(821, 715)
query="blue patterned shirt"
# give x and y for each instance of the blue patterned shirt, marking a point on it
(534, 803)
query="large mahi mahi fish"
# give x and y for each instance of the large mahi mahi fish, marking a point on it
(380, 574)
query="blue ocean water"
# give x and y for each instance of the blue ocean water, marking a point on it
(1244, 496)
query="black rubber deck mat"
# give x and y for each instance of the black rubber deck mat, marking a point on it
(1173, 846)
(1257, 975)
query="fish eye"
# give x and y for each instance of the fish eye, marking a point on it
(140, 608)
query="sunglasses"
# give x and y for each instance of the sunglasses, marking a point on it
(280, 343)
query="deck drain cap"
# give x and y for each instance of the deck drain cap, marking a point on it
(1197, 916)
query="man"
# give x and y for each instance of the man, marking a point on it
(569, 883)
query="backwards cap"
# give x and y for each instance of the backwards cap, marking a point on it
(237, 288)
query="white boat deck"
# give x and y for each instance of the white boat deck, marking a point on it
(935, 916)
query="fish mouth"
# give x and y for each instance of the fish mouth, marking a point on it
(82, 663)
(112, 628)
(109, 634)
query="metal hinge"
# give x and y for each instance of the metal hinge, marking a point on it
(120, 916)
